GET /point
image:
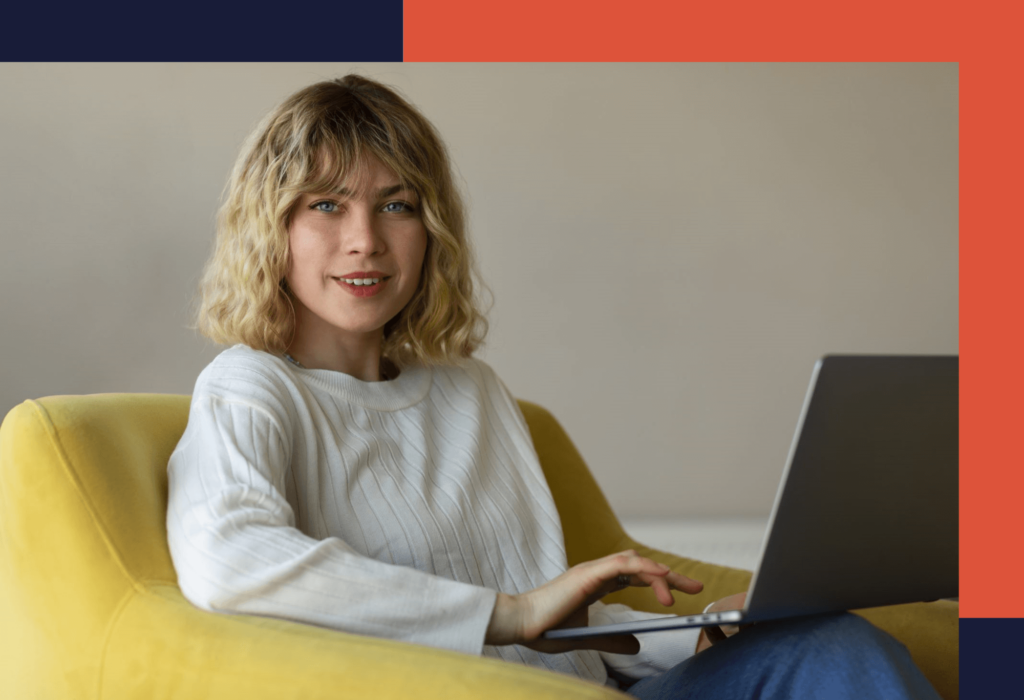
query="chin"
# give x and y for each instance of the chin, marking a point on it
(357, 328)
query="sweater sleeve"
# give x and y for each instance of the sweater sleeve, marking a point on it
(236, 549)
(659, 651)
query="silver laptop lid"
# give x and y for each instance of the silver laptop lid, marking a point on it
(867, 509)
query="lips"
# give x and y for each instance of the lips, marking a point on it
(363, 275)
(359, 289)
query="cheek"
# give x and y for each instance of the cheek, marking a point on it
(418, 258)
(293, 266)
(305, 257)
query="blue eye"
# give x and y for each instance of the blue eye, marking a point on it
(398, 208)
(324, 206)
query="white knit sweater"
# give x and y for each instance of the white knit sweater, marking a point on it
(394, 509)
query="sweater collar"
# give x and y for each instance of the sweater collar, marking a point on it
(405, 390)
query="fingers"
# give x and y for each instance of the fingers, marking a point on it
(630, 562)
(677, 582)
(559, 601)
(631, 569)
(717, 633)
(731, 602)
(684, 583)
(661, 591)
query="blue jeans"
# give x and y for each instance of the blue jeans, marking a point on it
(825, 656)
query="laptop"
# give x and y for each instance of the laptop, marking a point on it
(867, 512)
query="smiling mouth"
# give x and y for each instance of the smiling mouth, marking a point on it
(363, 286)
(360, 281)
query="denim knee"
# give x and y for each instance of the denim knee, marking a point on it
(820, 636)
(835, 656)
(840, 656)
(843, 631)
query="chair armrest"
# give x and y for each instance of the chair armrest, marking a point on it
(931, 633)
(162, 646)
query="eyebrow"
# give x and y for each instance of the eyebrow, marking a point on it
(381, 193)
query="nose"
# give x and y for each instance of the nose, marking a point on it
(360, 234)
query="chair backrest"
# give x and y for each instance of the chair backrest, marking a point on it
(83, 500)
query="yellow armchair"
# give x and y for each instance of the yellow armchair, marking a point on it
(90, 607)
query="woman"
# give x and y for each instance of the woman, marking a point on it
(347, 463)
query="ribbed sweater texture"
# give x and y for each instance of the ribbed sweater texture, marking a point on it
(394, 509)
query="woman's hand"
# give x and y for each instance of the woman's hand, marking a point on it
(716, 633)
(563, 602)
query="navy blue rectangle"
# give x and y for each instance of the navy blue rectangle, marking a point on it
(370, 30)
(991, 653)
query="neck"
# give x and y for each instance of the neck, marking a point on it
(355, 354)
(383, 372)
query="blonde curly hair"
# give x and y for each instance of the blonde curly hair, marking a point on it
(314, 141)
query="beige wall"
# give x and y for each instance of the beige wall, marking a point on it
(670, 247)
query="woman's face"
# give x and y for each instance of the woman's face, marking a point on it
(355, 257)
